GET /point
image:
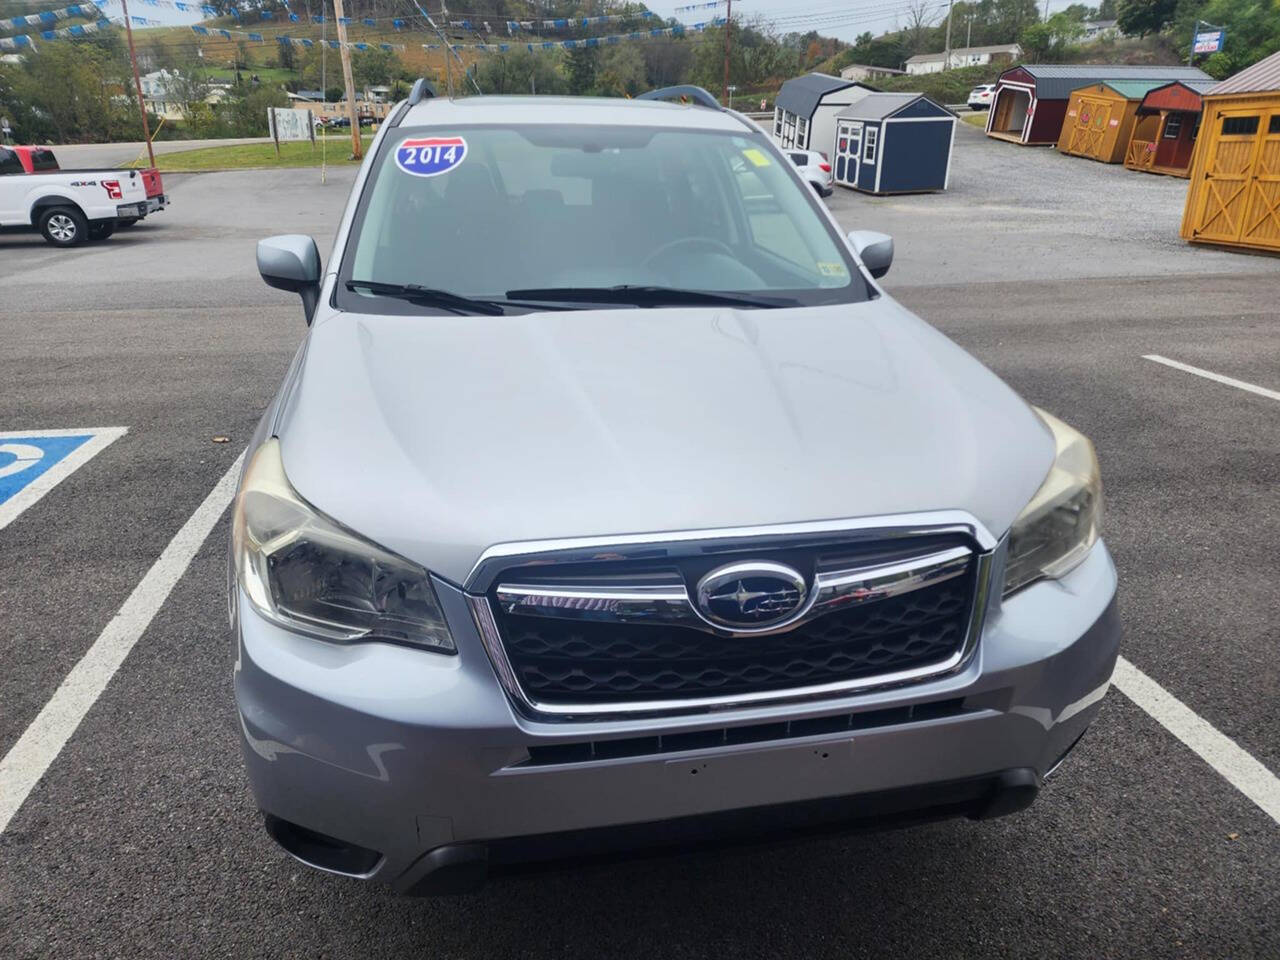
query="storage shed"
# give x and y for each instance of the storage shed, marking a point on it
(894, 143)
(804, 115)
(1029, 103)
(1234, 196)
(1164, 135)
(1101, 117)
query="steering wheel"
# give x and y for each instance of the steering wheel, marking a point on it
(704, 242)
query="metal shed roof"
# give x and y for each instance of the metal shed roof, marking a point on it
(878, 106)
(1262, 76)
(801, 95)
(1055, 81)
(1134, 89)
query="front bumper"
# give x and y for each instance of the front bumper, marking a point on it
(421, 760)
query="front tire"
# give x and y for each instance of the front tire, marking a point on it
(101, 231)
(64, 226)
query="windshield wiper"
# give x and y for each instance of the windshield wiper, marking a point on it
(647, 296)
(427, 296)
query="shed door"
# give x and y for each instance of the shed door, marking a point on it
(1090, 128)
(1262, 211)
(1239, 180)
(848, 150)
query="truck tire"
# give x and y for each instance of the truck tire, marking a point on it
(100, 231)
(63, 226)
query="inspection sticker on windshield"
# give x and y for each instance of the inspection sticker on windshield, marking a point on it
(832, 269)
(430, 156)
(757, 157)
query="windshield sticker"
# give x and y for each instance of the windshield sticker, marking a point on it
(832, 269)
(757, 157)
(430, 156)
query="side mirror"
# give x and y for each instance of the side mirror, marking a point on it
(292, 262)
(875, 250)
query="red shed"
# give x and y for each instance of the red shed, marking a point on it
(1030, 101)
(1164, 137)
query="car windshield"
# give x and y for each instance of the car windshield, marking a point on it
(528, 215)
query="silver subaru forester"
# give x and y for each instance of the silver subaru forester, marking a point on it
(610, 502)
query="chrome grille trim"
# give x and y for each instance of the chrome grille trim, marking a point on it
(671, 603)
(578, 551)
(677, 543)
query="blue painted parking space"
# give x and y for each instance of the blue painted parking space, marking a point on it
(33, 462)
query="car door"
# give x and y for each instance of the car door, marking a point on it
(12, 186)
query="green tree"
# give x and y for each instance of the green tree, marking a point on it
(622, 71)
(1050, 39)
(520, 71)
(583, 64)
(246, 116)
(73, 92)
(1141, 17)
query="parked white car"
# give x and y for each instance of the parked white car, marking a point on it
(68, 206)
(815, 168)
(980, 96)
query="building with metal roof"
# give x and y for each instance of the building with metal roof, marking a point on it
(1234, 196)
(894, 143)
(1101, 118)
(804, 113)
(1165, 128)
(1029, 103)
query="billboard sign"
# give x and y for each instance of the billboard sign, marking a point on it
(290, 124)
(1209, 41)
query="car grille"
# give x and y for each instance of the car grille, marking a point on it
(596, 660)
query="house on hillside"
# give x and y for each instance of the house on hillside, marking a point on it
(1029, 103)
(963, 57)
(165, 94)
(864, 71)
(1095, 30)
(804, 115)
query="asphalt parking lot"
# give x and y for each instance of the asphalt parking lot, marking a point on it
(141, 838)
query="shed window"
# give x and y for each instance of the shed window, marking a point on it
(777, 121)
(1273, 126)
(1239, 126)
(1173, 126)
(869, 148)
(802, 128)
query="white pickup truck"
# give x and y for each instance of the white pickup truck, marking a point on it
(68, 206)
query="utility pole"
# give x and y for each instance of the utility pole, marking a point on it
(137, 81)
(345, 54)
(946, 64)
(728, 26)
(968, 35)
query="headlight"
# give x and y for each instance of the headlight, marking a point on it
(1061, 523)
(310, 574)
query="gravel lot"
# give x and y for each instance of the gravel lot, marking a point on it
(142, 840)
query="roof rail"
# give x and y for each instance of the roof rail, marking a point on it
(685, 92)
(421, 91)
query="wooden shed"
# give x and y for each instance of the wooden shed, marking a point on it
(1164, 136)
(894, 143)
(1029, 103)
(1234, 195)
(1101, 117)
(804, 115)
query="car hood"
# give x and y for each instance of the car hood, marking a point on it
(441, 436)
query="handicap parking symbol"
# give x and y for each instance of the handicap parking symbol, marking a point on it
(33, 462)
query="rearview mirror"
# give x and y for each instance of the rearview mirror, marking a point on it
(875, 250)
(292, 262)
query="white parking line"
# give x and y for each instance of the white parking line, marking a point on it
(1215, 748)
(102, 436)
(40, 744)
(1210, 375)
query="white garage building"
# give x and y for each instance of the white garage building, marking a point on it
(804, 115)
